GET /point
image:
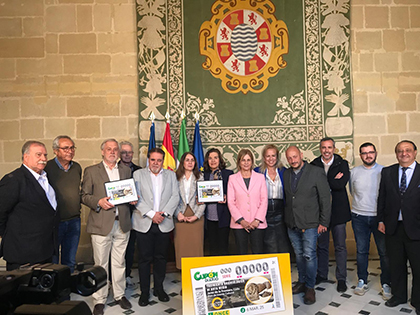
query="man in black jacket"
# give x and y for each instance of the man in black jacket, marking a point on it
(28, 216)
(338, 174)
(399, 219)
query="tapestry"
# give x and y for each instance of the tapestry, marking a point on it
(253, 71)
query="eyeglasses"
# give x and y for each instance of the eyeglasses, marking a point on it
(366, 153)
(126, 152)
(68, 149)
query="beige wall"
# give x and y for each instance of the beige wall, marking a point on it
(69, 67)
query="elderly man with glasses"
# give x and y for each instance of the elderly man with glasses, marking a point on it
(126, 158)
(65, 175)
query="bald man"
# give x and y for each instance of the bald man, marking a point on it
(307, 214)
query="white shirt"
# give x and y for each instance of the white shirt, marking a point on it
(157, 192)
(43, 181)
(187, 186)
(274, 188)
(408, 174)
(113, 174)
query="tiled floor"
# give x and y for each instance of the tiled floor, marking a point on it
(329, 301)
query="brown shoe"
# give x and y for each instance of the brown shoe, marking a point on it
(99, 309)
(124, 303)
(299, 287)
(309, 297)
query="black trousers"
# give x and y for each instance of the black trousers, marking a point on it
(218, 238)
(276, 239)
(401, 248)
(255, 237)
(153, 248)
(129, 253)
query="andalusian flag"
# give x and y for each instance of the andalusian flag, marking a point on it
(198, 147)
(169, 161)
(183, 141)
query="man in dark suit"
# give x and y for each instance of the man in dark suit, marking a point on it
(338, 175)
(399, 218)
(109, 225)
(126, 158)
(28, 217)
(307, 214)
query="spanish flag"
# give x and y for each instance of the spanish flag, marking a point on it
(169, 161)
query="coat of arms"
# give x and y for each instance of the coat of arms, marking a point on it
(244, 44)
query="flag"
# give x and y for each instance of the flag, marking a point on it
(198, 147)
(152, 141)
(183, 141)
(169, 161)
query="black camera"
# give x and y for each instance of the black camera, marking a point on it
(48, 284)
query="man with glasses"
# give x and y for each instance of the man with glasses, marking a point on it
(108, 225)
(64, 175)
(399, 220)
(126, 158)
(364, 187)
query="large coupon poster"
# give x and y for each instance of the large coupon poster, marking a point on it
(249, 284)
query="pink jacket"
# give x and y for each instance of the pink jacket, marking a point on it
(249, 204)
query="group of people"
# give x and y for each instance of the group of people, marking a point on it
(270, 209)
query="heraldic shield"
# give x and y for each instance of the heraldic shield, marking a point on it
(244, 44)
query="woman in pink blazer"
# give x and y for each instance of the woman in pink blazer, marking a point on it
(247, 201)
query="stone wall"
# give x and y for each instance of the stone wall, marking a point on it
(69, 67)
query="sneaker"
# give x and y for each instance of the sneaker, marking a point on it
(386, 292)
(361, 288)
(130, 284)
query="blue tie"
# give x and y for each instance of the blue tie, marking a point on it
(403, 185)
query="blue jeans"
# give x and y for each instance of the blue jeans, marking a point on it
(363, 227)
(68, 238)
(304, 245)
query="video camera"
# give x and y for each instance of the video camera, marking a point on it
(48, 284)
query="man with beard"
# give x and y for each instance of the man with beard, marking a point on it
(338, 174)
(364, 187)
(158, 193)
(307, 214)
(108, 225)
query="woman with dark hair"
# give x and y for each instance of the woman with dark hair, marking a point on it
(276, 239)
(247, 200)
(189, 221)
(217, 214)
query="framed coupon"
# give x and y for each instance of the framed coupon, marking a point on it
(210, 191)
(121, 191)
(251, 287)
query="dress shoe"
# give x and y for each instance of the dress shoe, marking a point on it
(299, 287)
(341, 286)
(309, 297)
(98, 309)
(144, 299)
(320, 279)
(161, 295)
(392, 302)
(124, 303)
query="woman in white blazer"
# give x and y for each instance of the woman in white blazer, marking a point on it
(247, 201)
(189, 219)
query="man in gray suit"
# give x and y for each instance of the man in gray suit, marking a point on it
(307, 214)
(158, 198)
(109, 225)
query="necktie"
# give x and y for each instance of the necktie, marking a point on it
(403, 184)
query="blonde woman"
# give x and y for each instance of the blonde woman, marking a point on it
(247, 201)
